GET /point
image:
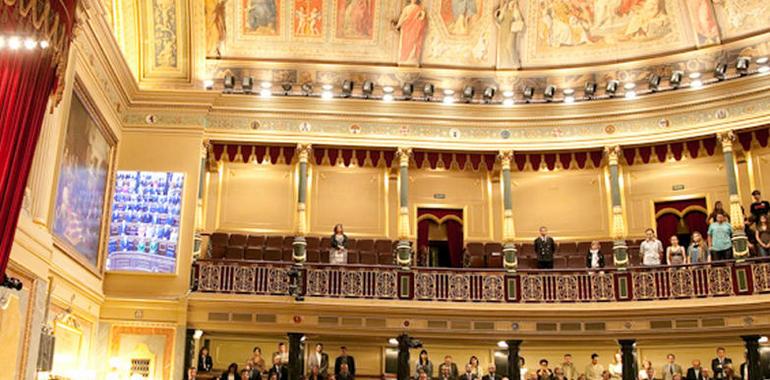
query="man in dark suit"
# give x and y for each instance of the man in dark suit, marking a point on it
(718, 364)
(344, 358)
(281, 371)
(448, 363)
(468, 375)
(345, 373)
(320, 359)
(491, 375)
(695, 372)
(545, 248)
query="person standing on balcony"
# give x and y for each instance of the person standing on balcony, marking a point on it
(758, 207)
(344, 358)
(698, 252)
(695, 372)
(320, 359)
(545, 248)
(650, 249)
(544, 373)
(594, 260)
(280, 371)
(616, 367)
(339, 251)
(283, 353)
(671, 368)
(491, 374)
(594, 369)
(763, 236)
(570, 372)
(448, 363)
(675, 254)
(468, 375)
(424, 364)
(720, 239)
(720, 363)
(204, 360)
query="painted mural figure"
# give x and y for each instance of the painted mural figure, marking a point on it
(411, 24)
(217, 27)
(262, 14)
(703, 20)
(356, 18)
(165, 34)
(511, 23)
(462, 11)
(307, 21)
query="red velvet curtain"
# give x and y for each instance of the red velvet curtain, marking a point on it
(680, 218)
(452, 219)
(27, 79)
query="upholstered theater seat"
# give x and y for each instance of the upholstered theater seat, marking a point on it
(313, 249)
(236, 247)
(494, 255)
(218, 245)
(272, 250)
(287, 248)
(475, 254)
(325, 246)
(254, 247)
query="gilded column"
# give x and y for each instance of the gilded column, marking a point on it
(509, 249)
(299, 244)
(404, 247)
(619, 247)
(740, 242)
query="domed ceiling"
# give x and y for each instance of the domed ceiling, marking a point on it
(473, 34)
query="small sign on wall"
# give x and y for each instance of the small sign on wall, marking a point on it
(439, 196)
(677, 187)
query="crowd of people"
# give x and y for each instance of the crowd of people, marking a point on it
(344, 368)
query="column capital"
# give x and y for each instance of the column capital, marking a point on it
(304, 151)
(613, 154)
(726, 138)
(505, 156)
(404, 153)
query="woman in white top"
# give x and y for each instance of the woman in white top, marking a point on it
(647, 372)
(616, 367)
(650, 249)
(339, 251)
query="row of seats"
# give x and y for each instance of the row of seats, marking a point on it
(280, 248)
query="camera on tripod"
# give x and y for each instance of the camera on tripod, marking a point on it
(12, 283)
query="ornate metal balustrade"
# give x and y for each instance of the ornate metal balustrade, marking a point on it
(464, 285)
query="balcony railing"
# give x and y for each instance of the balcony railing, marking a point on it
(718, 279)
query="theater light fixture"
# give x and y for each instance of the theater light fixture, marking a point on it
(654, 82)
(502, 344)
(763, 69)
(468, 93)
(247, 85)
(367, 88)
(406, 90)
(488, 94)
(569, 95)
(393, 342)
(286, 87)
(29, 43)
(695, 81)
(347, 88)
(508, 98)
(762, 340)
(720, 71)
(14, 43)
(267, 90)
(427, 91)
(229, 83)
(208, 84)
(761, 60)
(549, 92)
(589, 89)
(387, 94)
(528, 93)
(742, 65)
(307, 89)
(676, 79)
(449, 96)
(630, 88)
(612, 88)
(327, 92)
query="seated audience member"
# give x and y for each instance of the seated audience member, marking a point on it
(718, 209)
(582, 376)
(344, 358)
(698, 252)
(319, 359)
(594, 257)
(707, 374)
(475, 366)
(677, 376)
(616, 367)
(570, 373)
(283, 352)
(650, 249)
(245, 374)
(491, 375)
(423, 256)
(204, 360)
(422, 376)
(762, 235)
(744, 370)
(468, 375)
(729, 372)
(719, 363)
(671, 368)
(315, 373)
(545, 248)
(594, 369)
(606, 375)
(758, 207)
(750, 230)
(448, 363)
(252, 373)
(445, 373)
(278, 369)
(696, 371)
(424, 364)
(192, 373)
(272, 376)
(523, 371)
(231, 373)
(675, 254)
(345, 373)
(720, 239)
(256, 361)
(558, 374)
(543, 372)
(647, 372)
(339, 250)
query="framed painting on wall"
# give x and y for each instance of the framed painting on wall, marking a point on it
(81, 187)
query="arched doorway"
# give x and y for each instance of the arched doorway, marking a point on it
(440, 237)
(681, 218)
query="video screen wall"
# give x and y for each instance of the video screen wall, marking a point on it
(144, 226)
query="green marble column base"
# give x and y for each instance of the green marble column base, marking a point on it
(510, 261)
(740, 245)
(299, 249)
(620, 254)
(404, 254)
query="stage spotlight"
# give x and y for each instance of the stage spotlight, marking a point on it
(720, 71)
(676, 79)
(449, 96)
(367, 88)
(247, 84)
(742, 65)
(307, 89)
(508, 98)
(528, 93)
(406, 90)
(229, 83)
(488, 94)
(267, 90)
(695, 81)
(208, 84)
(287, 88)
(347, 88)
(387, 94)
(759, 61)
(468, 93)
(569, 95)
(589, 89)
(427, 91)
(654, 82)
(549, 92)
(612, 87)
(763, 69)
(327, 91)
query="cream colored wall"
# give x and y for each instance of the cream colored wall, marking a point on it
(573, 204)
(759, 176)
(645, 184)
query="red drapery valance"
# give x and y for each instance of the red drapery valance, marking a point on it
(27, 79)
(677, 150)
